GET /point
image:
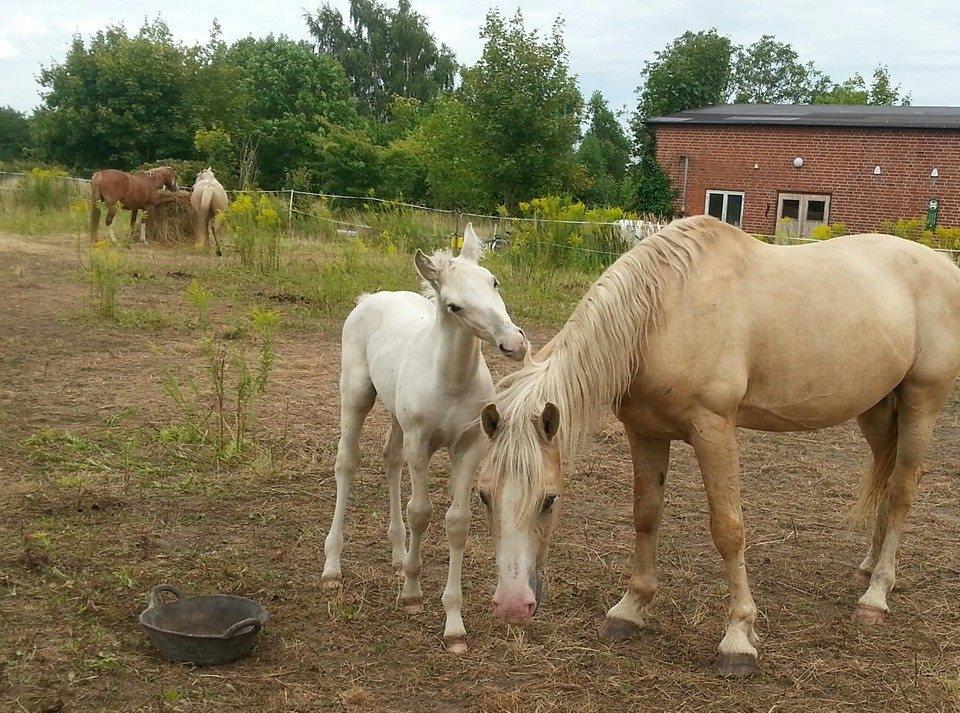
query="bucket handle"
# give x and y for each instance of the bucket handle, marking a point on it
(153, 596)
(253, 624)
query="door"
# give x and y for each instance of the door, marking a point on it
(799, 213)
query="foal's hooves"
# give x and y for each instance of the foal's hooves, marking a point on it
(734, 665)
(868, 616)
(614, 629)
(332, 581)
(412, 604)
(861, 577)
(456, 644)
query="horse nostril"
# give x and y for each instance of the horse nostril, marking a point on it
(521, 332)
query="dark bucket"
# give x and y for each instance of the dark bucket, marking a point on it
(205, 631)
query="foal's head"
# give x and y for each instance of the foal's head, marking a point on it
(204, 175)
(520, 488)
(468, 294)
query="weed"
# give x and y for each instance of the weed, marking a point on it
(106, 276)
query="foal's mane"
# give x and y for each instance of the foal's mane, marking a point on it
(442, 260)
(596, 354)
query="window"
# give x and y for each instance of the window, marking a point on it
(726, 206)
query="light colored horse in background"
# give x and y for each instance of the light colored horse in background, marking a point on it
(702, 329)
(421, 357)
(208, 199)
(131, 191)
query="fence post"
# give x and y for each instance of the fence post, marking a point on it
(456, 230)
(290, 211)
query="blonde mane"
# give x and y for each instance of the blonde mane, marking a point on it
(596, 354)
(443, 260)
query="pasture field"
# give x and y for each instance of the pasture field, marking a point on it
(103, 494)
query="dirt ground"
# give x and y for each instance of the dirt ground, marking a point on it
(74, 567)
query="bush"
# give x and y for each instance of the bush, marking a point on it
(256, 227)
(45, 188)
(825, 232)
(915, 229)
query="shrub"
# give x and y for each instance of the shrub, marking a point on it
(825, 232)
(909, 228)
(256, 227)
(45, 188)
(106, 266)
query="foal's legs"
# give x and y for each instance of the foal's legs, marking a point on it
(356, 399)
(650, 460)
(393, 465)
(917, 408)
(714, 441)
(878, 426)
(464, 461)
(419, 511)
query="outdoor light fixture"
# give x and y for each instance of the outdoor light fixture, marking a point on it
(798, 162)
(877, 171)
(934, 173)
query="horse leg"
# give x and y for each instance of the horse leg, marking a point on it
(879, 427)
(111, 212)
(357, 395)
(465, 460)
(419, 511)
(216, 236)
(650, 460)
(393, 465)
(917, 409)
(714, 441)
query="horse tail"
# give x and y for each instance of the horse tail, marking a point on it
(203, 216)
(873, 485)
(95, 198)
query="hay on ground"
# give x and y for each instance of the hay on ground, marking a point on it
(171, 220)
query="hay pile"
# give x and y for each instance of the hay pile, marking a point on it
(171, 220)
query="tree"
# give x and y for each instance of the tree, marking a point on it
(604, 153)
(524, 107)
(770, 72)
(881, 91)
(454, 157)
(294, 95)
(385, 53)
(14, 134)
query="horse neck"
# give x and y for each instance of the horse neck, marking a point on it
(458, 351)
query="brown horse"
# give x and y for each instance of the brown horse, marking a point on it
(131, 191)
(702, 329)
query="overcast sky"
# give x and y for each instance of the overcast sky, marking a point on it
(609, 41)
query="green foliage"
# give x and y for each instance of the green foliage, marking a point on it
(386, 53)
(647, 188)
(347, 161)
(294, 94)
(14, 134)
(915, 229)
(770, 72)
(523, 107)
(256, 229)
(604, 153)
(44, 189)
(403, 170)
(456, 178)
(105, 275)
(825, 232)
(855, 90)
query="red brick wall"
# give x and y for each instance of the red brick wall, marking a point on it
(838, 162)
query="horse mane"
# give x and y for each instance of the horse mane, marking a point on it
(443, 260)
(596, 354)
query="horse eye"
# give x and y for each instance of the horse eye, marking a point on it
(484, 497)
(548, 501)
(454, 308)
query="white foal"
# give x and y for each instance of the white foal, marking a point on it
(422, 358)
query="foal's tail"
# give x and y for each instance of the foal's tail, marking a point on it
(95, 198)
(873, 486)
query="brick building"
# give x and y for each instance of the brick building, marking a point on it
(804, 165)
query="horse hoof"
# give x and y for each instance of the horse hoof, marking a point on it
(861, 577)
(331, 581)
(456, 644)
(412, 605)
(734, 665)
(613, 629)
(868, 616)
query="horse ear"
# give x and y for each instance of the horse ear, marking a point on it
(472, 249)
(428, 271)
(490, 419)
(550, 421)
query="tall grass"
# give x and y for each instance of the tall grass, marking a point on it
(105, 275)
(256, 230)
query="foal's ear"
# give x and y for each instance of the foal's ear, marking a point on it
(490, 419)
(428, 271)
(550, 421)
(472, 249)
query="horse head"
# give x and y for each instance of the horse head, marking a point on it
(166, 177)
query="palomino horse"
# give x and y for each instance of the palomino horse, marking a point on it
(422, 357)
(208, 199)
(131, 191)
(701, 329)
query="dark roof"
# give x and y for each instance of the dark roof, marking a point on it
(880, 117)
